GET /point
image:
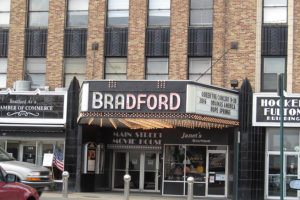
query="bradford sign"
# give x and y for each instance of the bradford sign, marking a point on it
(266, 110)
(133, 96)
(33, 108)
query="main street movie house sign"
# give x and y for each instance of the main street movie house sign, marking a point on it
(266, 110)
(33, 108)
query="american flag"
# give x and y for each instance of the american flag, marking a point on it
(58, 159)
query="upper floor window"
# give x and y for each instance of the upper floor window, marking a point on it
(116, 68)
(275, 11)
(157, 69)
(200, 70)
(117, 13)
(3, 72)
(272, 66)
(77, 13)
(159, 13)
(74, 67)
(4, 13)
(201, 13)
(38, 13)
(36, 72)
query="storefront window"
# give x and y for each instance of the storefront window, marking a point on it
(196, 162)
(174, 163)
(13, 149)
(291, 139)
(2, 144)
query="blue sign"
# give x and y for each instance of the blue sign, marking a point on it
(295, 184)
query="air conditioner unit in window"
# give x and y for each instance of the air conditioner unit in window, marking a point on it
(22, 85)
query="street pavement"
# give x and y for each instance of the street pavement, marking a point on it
(112, 196)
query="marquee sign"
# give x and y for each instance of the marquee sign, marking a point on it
(133, 97)
(214, 102)
(33, 108)
(266, 110)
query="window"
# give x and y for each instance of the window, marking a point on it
(36, 72)
(118, 13)
(157, 69)
(200, 70)
(159, 13)
(275, 11)
(116, 68)
(4, 13)
(38, 13)
(201, 13)
(3, 71)
(74, 67)
(77, 13)
(272, 66)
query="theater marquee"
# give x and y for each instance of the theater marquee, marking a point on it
(266, 110)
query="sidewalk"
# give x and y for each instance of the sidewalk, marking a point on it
(106, 196)
(113, 196)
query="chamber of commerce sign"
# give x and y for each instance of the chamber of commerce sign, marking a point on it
(33, 108)
(266, 110)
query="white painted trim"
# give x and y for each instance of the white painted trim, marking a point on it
(258, 45)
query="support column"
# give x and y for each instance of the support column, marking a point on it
(178, 59)
(55, 43)
(16, 43)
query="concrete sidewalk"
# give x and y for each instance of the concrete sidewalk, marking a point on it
(113, 196)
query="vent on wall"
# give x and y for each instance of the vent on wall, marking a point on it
(22, 85)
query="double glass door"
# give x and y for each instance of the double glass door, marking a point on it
(143, 167)
(290, 172)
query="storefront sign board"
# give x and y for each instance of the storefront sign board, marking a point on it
(33, 108)
(213, 102)
(266, 110)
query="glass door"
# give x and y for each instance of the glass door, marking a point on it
(216, 173)
(291, 173)
(290, 165)
(134, 169)
(120, 169)
(143, 167)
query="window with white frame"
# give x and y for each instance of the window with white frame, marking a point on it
(77, 13)
(36, 72)
(117, 13)
(157, 69)
(38, 13)
(201, 13)
(116, 68)
(272, 66)
(275, 11)
(74, 67)
(200, 70)
(4, 13)
(159, 13)
(3, 72)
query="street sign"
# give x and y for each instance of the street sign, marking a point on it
(295, 184)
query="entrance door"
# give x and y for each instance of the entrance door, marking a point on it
(216, 173)
(290, 172)
(143, 167)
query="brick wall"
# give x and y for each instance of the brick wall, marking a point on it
(15, 61)
(296, 68)
(136, 39)
(234, 21)
(96, 25)
(55, 43)
(179, 40)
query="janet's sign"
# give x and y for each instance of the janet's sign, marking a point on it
(266, 110)
(33, 108)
